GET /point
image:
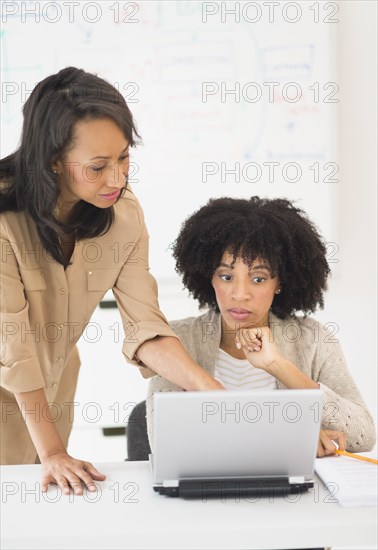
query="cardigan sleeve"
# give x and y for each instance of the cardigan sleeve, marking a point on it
(344, 408)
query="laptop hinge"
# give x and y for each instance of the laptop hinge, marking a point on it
(170, 483)
(296, 479)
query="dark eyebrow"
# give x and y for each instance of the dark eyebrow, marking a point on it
(254, 267)
(107, 158)
(261, 266)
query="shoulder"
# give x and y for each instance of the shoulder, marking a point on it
(194, 323)
(311, 328)
(15, 224)
(305, 324)
(195, 326)
(128, 211)
(306, 332)
(128, 201)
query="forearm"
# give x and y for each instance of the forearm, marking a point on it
(37, 415)
(289, 375)
(167, 357)
(260, 350)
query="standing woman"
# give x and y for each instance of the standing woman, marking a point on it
(71, 230)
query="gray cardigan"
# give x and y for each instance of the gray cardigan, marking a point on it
(305, 342)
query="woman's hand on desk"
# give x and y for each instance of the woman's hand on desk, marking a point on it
(69, 473)
(326, 445)
(58, 467)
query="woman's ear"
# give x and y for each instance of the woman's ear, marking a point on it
(56, 167)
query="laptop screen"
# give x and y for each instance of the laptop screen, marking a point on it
(216, 434)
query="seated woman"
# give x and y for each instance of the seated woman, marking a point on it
(255, 264)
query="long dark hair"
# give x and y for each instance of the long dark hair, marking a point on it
(56, 104)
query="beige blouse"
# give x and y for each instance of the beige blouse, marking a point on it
(44, 310)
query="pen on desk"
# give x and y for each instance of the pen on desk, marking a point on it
(359, 457)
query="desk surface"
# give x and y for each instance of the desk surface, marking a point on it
(126, 513)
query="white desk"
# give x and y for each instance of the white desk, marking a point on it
(126, 513)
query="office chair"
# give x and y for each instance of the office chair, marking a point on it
(138, 447)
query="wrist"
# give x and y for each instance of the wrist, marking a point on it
(214, 385)
(289, 375)
(273, 368)
(50, 453)
(206, 382)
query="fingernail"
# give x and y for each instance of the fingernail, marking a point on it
(256, 349)
(91, 487)
(238, 345)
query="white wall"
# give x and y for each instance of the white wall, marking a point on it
(352, 296)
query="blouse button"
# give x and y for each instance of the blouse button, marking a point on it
(60, 357)
(62, 290)
(61, 327)
(54, 384)
(89, 272)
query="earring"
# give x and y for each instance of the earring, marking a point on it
(278, 290)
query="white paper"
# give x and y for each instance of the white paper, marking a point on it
(350, 481)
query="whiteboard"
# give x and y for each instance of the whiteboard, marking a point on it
(192, 79)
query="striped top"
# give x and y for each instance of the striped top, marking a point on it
(239, 374)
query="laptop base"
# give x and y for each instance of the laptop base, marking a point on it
(235, 488)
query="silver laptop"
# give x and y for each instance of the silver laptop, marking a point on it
(219, 443)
